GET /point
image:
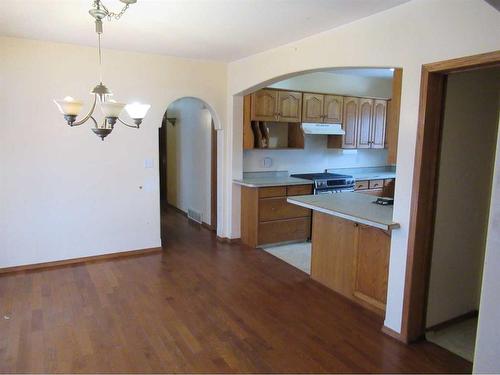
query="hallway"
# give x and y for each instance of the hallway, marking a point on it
(198, 306)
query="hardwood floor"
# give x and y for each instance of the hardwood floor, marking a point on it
(200, 306)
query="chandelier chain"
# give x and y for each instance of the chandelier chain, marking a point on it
(110, 15)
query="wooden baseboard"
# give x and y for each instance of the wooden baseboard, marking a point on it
(203, 224)
(395, 335)
(178, 210)
(65, 262)
(229, 240)
(208, 226)
(457, 319)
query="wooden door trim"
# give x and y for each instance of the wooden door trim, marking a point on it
(425, 177)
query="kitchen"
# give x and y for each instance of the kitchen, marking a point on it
(305, 139)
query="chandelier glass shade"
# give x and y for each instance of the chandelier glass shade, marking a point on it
(111, 110)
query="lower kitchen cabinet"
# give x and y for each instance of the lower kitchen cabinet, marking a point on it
(266, 216)
(333, 250)
(284, 230)
(380, 188)
(371, 266)
(352, 259)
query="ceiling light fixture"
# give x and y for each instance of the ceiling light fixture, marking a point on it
(111, 110)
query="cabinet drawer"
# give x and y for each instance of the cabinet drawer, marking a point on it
(388, 181)
(284, 230)
(273, 191)
(299, 190)
(278, 209)
(361, 185)
(376, 184)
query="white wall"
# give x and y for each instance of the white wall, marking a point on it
(488, 333)
(189, 156)
(407, 36)
(338, 83)
(63, 192)
(463, 199)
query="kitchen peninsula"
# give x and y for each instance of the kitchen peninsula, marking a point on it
(350, 245)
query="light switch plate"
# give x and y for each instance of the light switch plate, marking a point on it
(149, 163)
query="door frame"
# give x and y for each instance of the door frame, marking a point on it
(162, 163)
(424, 193)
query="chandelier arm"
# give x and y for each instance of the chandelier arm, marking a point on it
(136, 126)
(93, 119)
(89, 115)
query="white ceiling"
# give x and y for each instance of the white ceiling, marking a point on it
(208, 29)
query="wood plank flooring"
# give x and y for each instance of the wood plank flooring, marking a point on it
(200, 306)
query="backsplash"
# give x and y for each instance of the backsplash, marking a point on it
(315, 157)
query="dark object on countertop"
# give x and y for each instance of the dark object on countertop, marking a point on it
(384, 201)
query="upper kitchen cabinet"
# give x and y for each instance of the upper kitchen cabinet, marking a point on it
(271, 120)
(393, 109)
(276, 105)
(332, 109)
(364, 132)
(350, 126)
(264, 104)
(312, 110)
(378, 124)
(321, 108)
(364, 123)
(289, 106)
(371, 125)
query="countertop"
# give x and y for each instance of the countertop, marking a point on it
(271, 181)
(367, 173)
(356, 207)
(272, 178)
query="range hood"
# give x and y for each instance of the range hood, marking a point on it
(319, 128)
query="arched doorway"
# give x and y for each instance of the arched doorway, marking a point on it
(188, 162)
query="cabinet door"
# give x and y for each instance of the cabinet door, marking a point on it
(372, 266)
(289, 106)
(350, 122)
(365, 123)
(378, 123)
(332, 109)
(313, 108)
(333, 252)
(265, 105)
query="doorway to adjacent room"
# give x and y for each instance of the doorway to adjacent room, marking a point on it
(454, 167)
(188, 162)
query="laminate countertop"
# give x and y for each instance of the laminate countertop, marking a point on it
(367, 173)
(356, 207)
(271, 181)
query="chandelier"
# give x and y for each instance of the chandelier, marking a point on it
(111, 109)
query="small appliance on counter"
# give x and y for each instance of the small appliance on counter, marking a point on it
(329, 183)
(383, 201)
